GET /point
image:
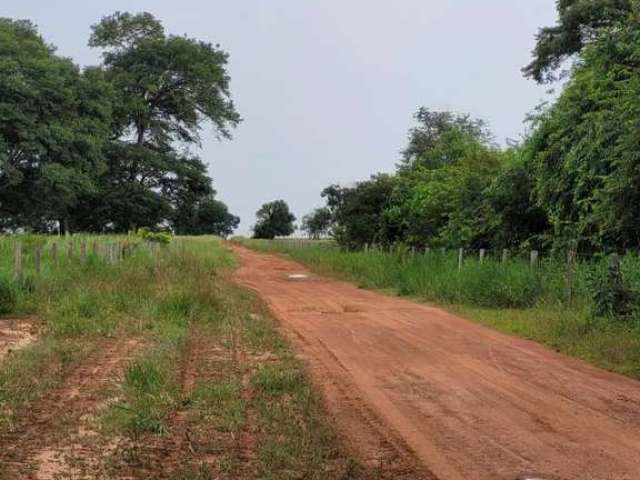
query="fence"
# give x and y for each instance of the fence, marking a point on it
(30, 256)
(297, 242)
(459, 257)
(462, 254)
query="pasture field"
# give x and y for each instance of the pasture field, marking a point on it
(152, 366)
(548, 304)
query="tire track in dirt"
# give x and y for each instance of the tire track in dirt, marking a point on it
(161, 456)
(411, 385)
(189, 447)
(56, 437)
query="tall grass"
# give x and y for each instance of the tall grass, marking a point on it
(436, 277)
(77, 301)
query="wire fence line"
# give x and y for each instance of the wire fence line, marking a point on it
(534, 257)
(30, 256)
(563, 265)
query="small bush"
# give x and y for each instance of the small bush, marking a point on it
(147, 235)
(611, 294)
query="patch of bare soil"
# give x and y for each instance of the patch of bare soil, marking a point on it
(16, 333)
(56, 439)
(421, 393)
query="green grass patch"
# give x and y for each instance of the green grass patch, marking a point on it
(219, 405)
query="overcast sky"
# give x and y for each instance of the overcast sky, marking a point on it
(327, 88)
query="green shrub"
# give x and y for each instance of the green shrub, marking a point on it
(158, 237)
(611, 293)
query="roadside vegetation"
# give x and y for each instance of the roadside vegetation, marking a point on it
(569, 184)
(200, 384)
(590, 310)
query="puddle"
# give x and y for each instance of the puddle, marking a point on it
(16, 334)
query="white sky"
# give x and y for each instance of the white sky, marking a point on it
(327, 88)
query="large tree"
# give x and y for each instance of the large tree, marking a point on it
(54, 122)
(167, 88)
(274, 219)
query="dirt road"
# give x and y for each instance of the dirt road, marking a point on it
(432, 395)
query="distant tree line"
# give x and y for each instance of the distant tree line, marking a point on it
(107, 148)
(572, 182)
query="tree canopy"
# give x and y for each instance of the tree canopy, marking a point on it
(274, 219)
(579, 23)
(441, 138)
(54, 121)
(585, 147)
(108, 147)
(358, 211)
(317, 224)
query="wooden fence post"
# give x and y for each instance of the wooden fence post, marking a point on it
(83, 249)
(54, 251)
(534, 258)
(94, 248)
(37, 259)
(505, 255)
(614, 261)
(18, 259)
(571, 265)
(460, 258)
(70, 248)
(482, 254)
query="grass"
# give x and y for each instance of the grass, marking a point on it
(298, 443)
(190, 322)
(510, 297)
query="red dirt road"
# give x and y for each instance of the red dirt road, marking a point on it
(426, 394)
